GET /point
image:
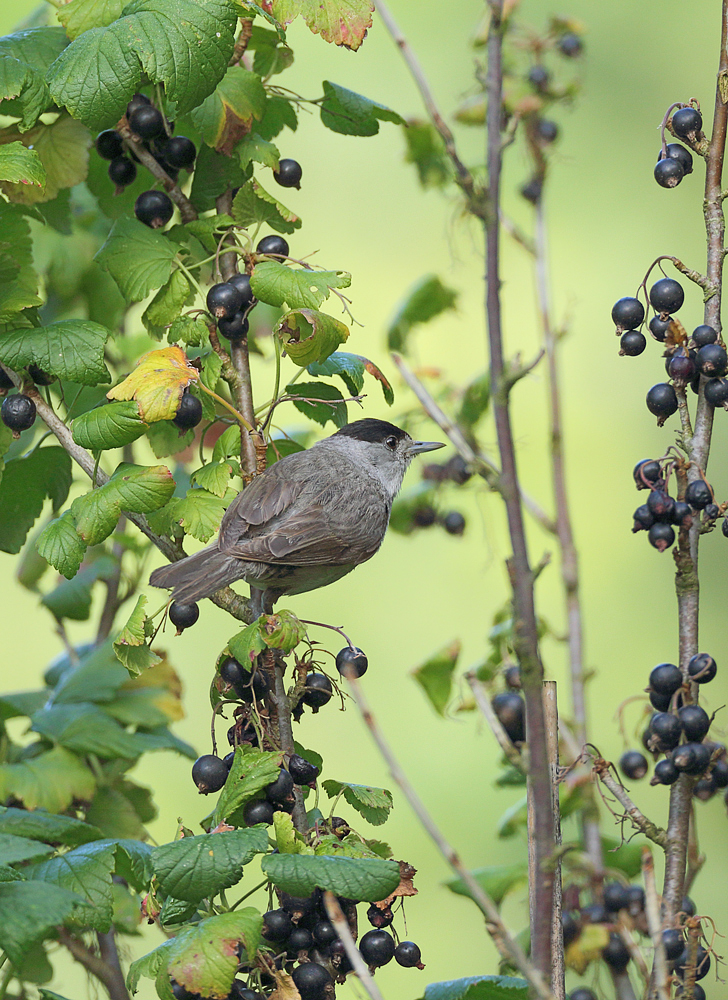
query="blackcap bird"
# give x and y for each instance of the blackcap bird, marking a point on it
(308, 520)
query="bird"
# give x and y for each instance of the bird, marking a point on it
(307, 521)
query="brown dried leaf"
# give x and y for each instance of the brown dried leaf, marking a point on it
(405, 887)
(676, 334)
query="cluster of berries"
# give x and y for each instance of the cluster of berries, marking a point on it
(627, 903)
(662, 511)
(678, 730)
(675, 161)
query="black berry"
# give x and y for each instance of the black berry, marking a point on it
(595, 913)
(668, 172)
(676, 151)
(137, 101)
(688, 907)
(377, 948)
(643, 518)
(324, 933)
(180, 993)
(5, 381)
(698, 494)
(569, 928)
(702, 963)
(109, 144)
(719, 774)
(659, 701)
(224, 300)
(154, 209)
(695, 722)
(379, 917)
(512, 677)
(258, 811)
(680, 367)
(716, 391)
(454, 523)
(311, 981)
(279, 790)
(425, 516)
(509, 707)
(179, 152)
(209, 773)
(703, 335)
(661, 536)
(673, 942)
(351, 658)
(318, 691)
(704, 790)
(273, 245)
(666, 295)
(616, 896)
(632, 343)
(18, 412)
(183, 616)
(666, 727)
(532, 190)
(659, 327)
(662, 400)
(234, 329)
(239, 991)
(548, 131)
(242, 283)
(665, 772)
(692, 758)
(712, 360)
(646, 473)
(538, 77)
(711, 512)
(616, 954)
(636, 899)
(300, 940)
(628, 313)
(702, 668)
(633, 765)
(122, 171)
(686, 121)
(724, 527)
(147, 122)
(408, 955)
(277, 925)
(665, 678)
(661, 505)
(570, 45)
(681, 512)
(288, 174)
(189, 413)
(698, 993)
(301, 770)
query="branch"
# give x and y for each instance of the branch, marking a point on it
(341, 924)
(652, 911)
(106, 974)
(464, 179)
(482, 464)
(175, 192)
(483, 702)
(636, 817)
(551, 716)
(505, 942)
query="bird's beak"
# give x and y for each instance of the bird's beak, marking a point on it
(417, 447)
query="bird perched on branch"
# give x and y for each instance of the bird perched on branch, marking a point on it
(308, 520)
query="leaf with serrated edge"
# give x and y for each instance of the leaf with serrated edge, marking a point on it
(246, 645)
(227, 114)
(343, 22)
(25, 484)
(307, 398)
(24, 59)
(86, 871)
(157, 383)
(197, 867)
(366, 879)
(138, 258)
(41, 825)
(29, 911)
(50, 781)
(374, 804)
(153, 966)
(479, 988)
(252, 771)
(204, 957)
(348, 113)
(81, 15)
(166, 305)
(19, 287)
(276, 284)
(349, 367)
(213, 477)
(63, 150)
(253, 148)
(252, 206)
(308, 335)
(110, 426)
(19, 165)
(134, 633)
(72, 349)
(61, 545)
(200, 512)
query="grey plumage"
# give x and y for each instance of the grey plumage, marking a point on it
(308, 520)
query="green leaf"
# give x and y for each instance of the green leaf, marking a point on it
(166, 305)
(114, 814)
(50, 781)
(14, 849)
(85, 871)
(427, 299)
(479, 988)
(60, 545)
(21, 166)
(227, 444)
(72, 598)
(279, 448)
(153, 966)
(213, 477)
(252, 148)
(426, 150)
(41, 825)
(279, 114)
(182, 44)
(282, 630)
(351, 114)
(29, 911)
(24, 58)
(214, 174)
(96, 677)
(200, 512)
(252, 771)
(138, 258)
(109, 426)
(224, 117)
(271, 54)
(50, 995)
(367, 879)
(208, 230)
(435, 676)
(166, 439)
(139, 489)
(246, 645)
(71, 349)
(176, 911)
(475, 401)
(25, 484)
(253, 206)
(626, 857)
(309, 397)
(84, 729)
(204, 957)
(211, 369)
(197, 867)
(8, 874)
(145, 707)
(513, 819)
(277, 284)
(190, 330)
(374, 804)
(19, 284)
(130, 644)
(343, 22)
(82, 15)
(497, 881)
(349, 367)
(63, 150)
(22, 703)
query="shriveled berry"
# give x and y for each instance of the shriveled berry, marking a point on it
(234, 329)
(301, 770)
(661, 536)
(274, 246)
(703, 335)
(702, 668)
(179, 152)
(288, 174)
(636, 896)
(686, 121)
(698, 494)
(209, 773)
(665, 772)
(311, 981)
(668, 172)
(242, 283)
(509, 708)
(18, 412)
(673, 942)
(258, 811)
(712, 360)
(189, 412)
(633, 765)
(646, 473)
(665, 678)
(711, 512)
(277, 925)
(659, 327)
(454, 523)
(154, 209)
(695, 722)
(666, 295)
(379, 917)
(351, 658)
(702, 963)
(615, 894)
(628, 313)
(317, 691)
(662, 400)
(570, 45)
(616, 954)
(632, 343)
(109, 144)
(660, 505)
(408, 955)
(280, 789)
(666, 727)
(122, 171)
(147, 122)
(224, 300)
(377, 948)
(676, 151)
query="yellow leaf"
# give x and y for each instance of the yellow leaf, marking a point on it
(157, 383)
(587, 948)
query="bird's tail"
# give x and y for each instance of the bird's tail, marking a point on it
(198, 575)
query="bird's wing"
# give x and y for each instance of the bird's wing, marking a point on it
(266, 498)
(304, 538)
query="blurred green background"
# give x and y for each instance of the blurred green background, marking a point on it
(364, 212)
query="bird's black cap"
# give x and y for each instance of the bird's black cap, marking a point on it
(372, 430)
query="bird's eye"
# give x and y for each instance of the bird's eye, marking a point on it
(391, 442)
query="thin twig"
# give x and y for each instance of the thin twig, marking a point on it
(635, 815)
(551, 715)
(652, 911)
(341, 924)
(502, 937)
(105, 973)
(483, 702)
